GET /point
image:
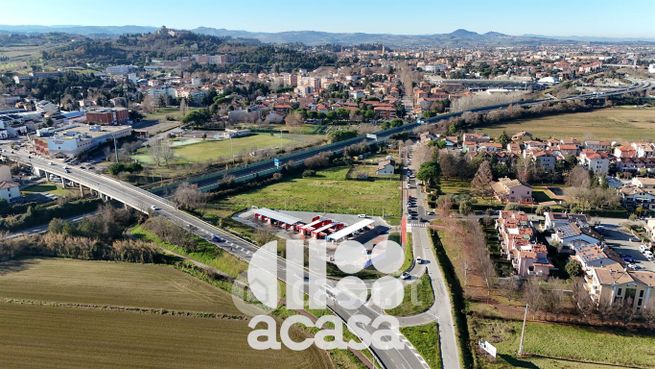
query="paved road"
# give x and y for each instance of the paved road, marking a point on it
(423, 247)
(142, 200)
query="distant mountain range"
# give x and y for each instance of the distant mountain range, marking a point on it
(458, 38)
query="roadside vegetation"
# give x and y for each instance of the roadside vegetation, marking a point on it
(425, 339)
(418, 298)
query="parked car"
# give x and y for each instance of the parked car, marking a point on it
(628, 259)
(649, 255)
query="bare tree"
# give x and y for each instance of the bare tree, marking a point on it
(481, 183)
(294, 119)
(161, 152)
(189, 196)
(484, 99)
(579, 177)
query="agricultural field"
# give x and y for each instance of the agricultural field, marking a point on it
(328, 191)
(565, 346)
(622, 124)
(74, 314)
(207, 151)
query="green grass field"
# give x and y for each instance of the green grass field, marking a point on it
(418, 298)
(47, 187)
(329, 191)
(454, 186)
(213, 150)
(621, 124)
(38, 333)
(425, 339)
(559, 344)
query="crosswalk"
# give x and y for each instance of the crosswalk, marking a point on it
(419, 225)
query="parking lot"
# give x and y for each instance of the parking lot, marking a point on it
(623, 242)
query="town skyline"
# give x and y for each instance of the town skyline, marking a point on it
(418, 17)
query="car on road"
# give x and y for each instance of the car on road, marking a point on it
(216, 238)
(154, 208)
(633, 266)
(405, 276)
(51, 163)
(361, 215)
(419, 260)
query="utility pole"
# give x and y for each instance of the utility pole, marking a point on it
(525, 318)
(115, 147)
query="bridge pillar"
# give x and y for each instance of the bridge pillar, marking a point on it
(63, 182)
(81, 190)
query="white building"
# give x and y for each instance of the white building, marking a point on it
(74, 140)
(9, 190)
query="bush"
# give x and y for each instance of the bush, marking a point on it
(309, 173)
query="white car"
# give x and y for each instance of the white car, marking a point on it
(154, 208)
(419, 260)
(362, 215)
(405, 276)
(649, 255)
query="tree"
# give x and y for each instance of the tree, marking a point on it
(579, 177)
(294, 119)
(189, 197)
(448, 165)
(481, 183)
(183, 106)
(197, 117)
(573, 268)
(525, 170)
(429, 173)
(504, 139)
(444, 205)
(161, 152)
(465, 207)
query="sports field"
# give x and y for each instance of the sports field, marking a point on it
(328, 191)
(622, 124)
(213, 150)
(58, 313)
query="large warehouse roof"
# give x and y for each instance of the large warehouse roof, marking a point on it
(276, 215)
(336, 236)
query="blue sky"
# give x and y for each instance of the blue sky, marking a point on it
(606, 18)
